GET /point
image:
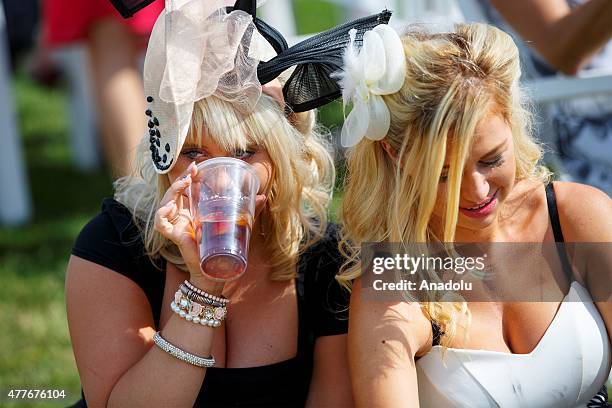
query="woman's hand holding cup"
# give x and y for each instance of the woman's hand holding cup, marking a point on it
(175, 222)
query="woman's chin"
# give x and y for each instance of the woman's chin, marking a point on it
(481, 222)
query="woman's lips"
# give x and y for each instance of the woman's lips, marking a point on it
(483, 210)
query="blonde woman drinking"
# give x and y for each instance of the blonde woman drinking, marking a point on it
(148, 328)
(441, 151)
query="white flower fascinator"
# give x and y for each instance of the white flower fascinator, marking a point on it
(376, 69)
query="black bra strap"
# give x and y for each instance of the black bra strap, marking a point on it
(437, 333)
(553, 214)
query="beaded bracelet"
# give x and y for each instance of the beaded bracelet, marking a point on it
(182, 354)
(221, 299)
(206, 315)
(191, 295)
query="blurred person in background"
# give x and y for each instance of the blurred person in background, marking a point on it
(115, 47)
(569, 36)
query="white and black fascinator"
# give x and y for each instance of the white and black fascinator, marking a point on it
(200, 48)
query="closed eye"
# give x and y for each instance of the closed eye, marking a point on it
(497, 161)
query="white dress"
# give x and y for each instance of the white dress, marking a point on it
(567, 367)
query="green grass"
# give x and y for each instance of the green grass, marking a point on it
(35, 344)
(315, 15)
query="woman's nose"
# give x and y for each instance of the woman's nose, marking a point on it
(474, 187)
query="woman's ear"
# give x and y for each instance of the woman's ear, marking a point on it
(274, 89)
(389, 150)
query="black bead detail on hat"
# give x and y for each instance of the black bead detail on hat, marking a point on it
(157, 160)
(155, 141)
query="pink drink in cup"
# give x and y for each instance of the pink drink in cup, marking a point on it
(223, 200)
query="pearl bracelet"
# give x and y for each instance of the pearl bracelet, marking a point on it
(182, 354)
(192, 311)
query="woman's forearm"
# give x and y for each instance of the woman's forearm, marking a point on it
(566, 38)
(160, 380)
(580, 34)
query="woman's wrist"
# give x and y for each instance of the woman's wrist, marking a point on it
(207, 285)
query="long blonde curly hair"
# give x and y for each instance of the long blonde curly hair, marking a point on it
(452, 81)
(301, 186)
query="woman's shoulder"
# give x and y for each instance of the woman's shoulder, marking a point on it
(111, 239)
(114, 223)
(406, 329)
(585, 212)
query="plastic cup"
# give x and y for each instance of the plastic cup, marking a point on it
(223, 201)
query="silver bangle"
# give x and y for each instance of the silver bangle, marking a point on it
(181, 354)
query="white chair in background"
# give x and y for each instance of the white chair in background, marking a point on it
(279, 14)
(80, 102)
(15, 200)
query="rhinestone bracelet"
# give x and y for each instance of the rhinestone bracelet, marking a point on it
(181, 354)
(191, 295)
(221, 299)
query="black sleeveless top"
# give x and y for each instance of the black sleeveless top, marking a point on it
(111, 239)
